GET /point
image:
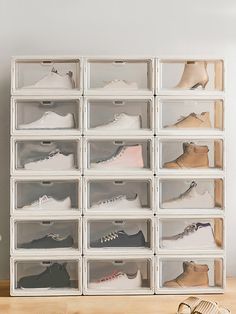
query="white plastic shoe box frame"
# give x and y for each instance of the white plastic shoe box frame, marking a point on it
(162, 94)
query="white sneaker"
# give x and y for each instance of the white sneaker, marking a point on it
(55, 81)
(51, 120)
(120, 84)
(124, 157)
(118, 281)
(54, 161)
(191, 199)
(48, 202)
(118, 203)
(198, 235)
(122, 122)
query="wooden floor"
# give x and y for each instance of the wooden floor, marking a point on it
(104, 305)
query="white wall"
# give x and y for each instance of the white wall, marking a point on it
(87, 27)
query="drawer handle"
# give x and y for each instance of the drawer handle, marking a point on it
(46, 143)
(47, 103)
(47, 62)
(118, 263)
(47, 223)
(46, 263)
(119, 182)
(119, 102)
(119, 62)
(46, 183)
(119, 143)
(118, 222)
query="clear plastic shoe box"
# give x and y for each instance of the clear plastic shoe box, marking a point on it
(50, 155)
(28, 71)
(120, 115)
(26, 110)
(119, 155)
(46, 196)
(130, 235)
(193, 195)
(170, 72)
(185, 114)
(63, 235)
(204, 154)
(136, 76)
(199, 274)
(128, 275)
(68, 271)
(190, 235)
(118, 195)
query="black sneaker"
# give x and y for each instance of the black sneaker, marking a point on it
(55, 276)
(50, 241)
(120, 239)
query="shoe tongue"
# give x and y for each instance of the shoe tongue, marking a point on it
(121, 232)
(44, 198)
(202, 225)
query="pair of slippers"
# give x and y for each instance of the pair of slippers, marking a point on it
(194, 305)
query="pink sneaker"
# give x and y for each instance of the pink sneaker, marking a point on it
(126, 157)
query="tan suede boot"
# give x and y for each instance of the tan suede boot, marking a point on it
(194, 275)
(194, 75)
(194, 156)
(193, 120)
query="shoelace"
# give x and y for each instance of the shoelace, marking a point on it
(54, 236)
(40, 201)
(111, 200)
(109, 237)
(112, 276)
(189, 229)
(121, 152)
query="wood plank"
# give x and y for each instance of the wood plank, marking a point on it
(158, 304)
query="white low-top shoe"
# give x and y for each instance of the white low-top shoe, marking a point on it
(121, 84)
(54, 161)
(51, 120)
(130, 157)
(118, 281)
(118, 203)
(48, 203)
(191, 199)
(54, 80)
(197, 235)
(122, 121)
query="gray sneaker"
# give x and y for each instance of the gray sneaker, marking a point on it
(50, 241)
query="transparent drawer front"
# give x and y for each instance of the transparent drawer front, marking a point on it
(176, 154)
(119, 195)
(197, 114)
(118, 75)
(116, 233)
(47, 114)
(47, 276)
(47, 195)
(191, 193)
(181, 75)
(191, 273)
(46, 234)
(119, 275)
(128, 155)
(119, 115)
(47, 155)
(47, 74)
(191, 234)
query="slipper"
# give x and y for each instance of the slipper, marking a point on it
(208, 307)
(188, 305)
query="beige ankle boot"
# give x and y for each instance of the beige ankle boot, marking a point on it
(194, 275)
(194, 75)
(193, 120)
(194, 156)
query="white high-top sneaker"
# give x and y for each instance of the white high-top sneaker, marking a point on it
(121, 84)
(122, 122)
(118, 281)
(126, 157)
(197, 235)
(55, 81)
(51, 120)
(48, 203)
(54, 161)
(191, 199)
(119, 202)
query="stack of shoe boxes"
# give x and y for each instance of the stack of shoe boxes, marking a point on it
(117, 176)
(46, 181)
